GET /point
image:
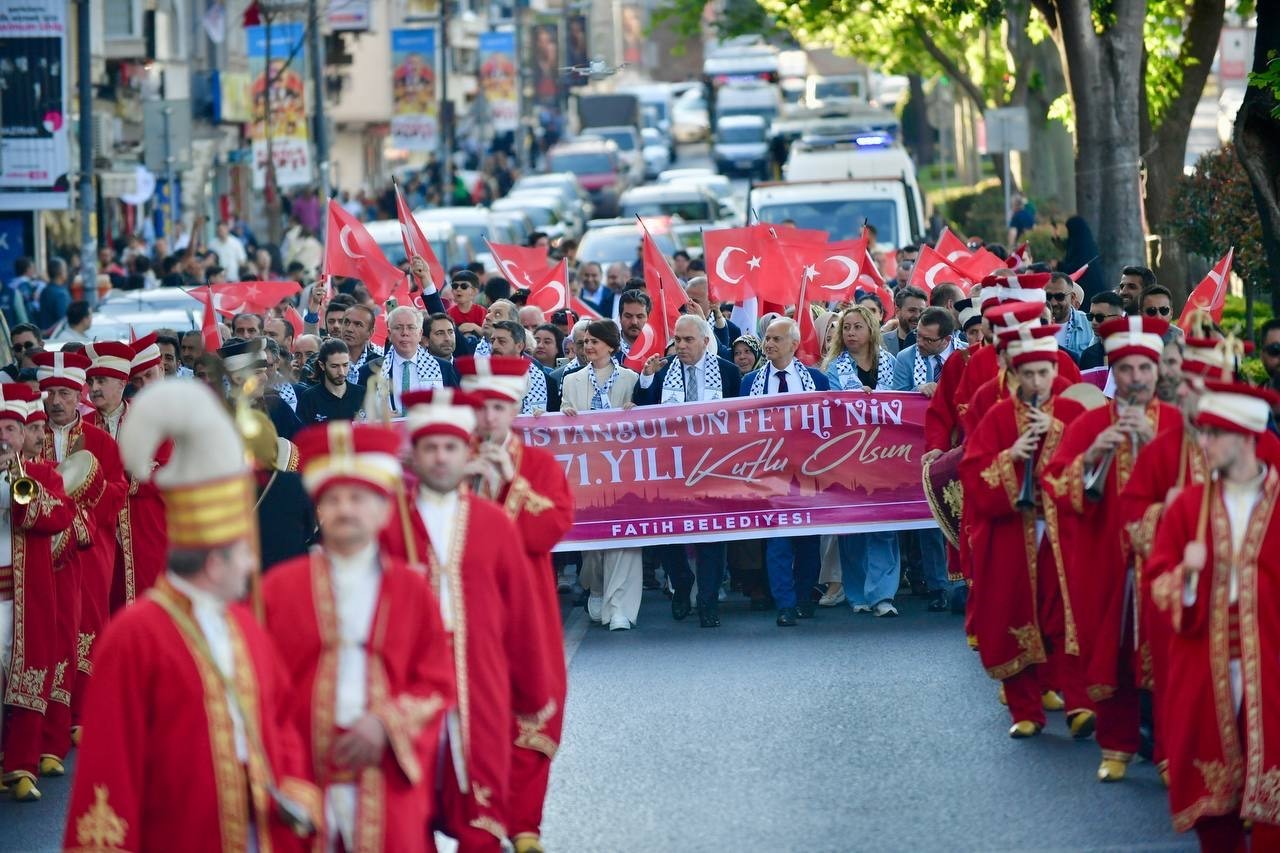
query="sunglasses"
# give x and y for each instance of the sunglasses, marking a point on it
(1272, 349)
(1101, 318)
(23, 347)
(1057, 297)
(461, 285)
(1163, 311)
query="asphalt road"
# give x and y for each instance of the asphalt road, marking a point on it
(844, 733)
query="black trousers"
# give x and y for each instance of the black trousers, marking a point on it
(711, 560)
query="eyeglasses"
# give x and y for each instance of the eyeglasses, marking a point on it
(1101, 318)
(1162, 310)
(461, 285)
(1272, 350)
(927, 340)
(1057, 297)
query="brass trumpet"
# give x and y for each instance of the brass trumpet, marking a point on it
(22, 489)
(1027, 497)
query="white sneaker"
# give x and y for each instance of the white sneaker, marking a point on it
(619, 623)
(829, 600)
(595, 604)
(886, 608)
(862, 608)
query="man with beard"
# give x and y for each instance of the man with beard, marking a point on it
(357, 328)
(633, 315)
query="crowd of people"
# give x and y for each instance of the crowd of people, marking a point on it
(370, 691)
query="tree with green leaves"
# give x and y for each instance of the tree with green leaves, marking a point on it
(1134, 70)
(1257, 138)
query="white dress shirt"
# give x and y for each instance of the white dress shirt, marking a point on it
(439, 515)
(793, 379)
(60, 435)
(399, 364)
(111, 422)
(210, 614)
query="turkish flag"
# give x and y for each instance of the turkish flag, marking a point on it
(416, 244)
(932, 269)
(732, 263)
(1211, 293)
(350, 251)
(1015, 259)
(663, 286)
(980, 265)
(246, 297)
(294, 319)
(551, 292)
(209, 332)
(1079, 274)
(952, 247)
(830, 269)
(522, 266)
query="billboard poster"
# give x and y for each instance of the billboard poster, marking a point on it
(546, 65)
(34, 153)
(576, 53)
(414, 104)
(279, 97)
(498, 79)
(633, 38)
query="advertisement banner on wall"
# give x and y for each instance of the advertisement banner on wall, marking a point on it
(576, 52)
(34, 153)
(278, 93)
(498, 79)
(545, 49)
(414, 104)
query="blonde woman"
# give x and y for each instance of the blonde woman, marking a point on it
(856, 359)
(869, 570)
(613, 578)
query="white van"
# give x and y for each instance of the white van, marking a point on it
(834, 162)
(839, 207)
(836, 89)
(748, 99)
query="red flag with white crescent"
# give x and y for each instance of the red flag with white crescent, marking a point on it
(932, 269)
(1016, 258)
(241, 297)
(952, 247)
(551, 292)
(1211, 293)
(416, 243)
(664, 288)
(831, 269)
(980, 265)
(521, 265)
(350, 251)
(732, 263)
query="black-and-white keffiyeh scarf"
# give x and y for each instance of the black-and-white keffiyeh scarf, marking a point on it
(920, 369)
(484, 349)
(760, 385)
(710, 383)
(426, 372)
(535, 399)
(371, 350)
(286, 392)
(847, 370)
(600, 400)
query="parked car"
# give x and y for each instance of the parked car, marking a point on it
(596, 165)
(547, 211)
(609, 241)
(741, 146)
(657, 152)
(473, 224)
(690, 121)
(688, 201)
(123, 315)
(564, 183)
(450, 251)
(630, 147)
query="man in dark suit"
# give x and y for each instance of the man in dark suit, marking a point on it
(792, 561)
(594, 293)
(696, 374)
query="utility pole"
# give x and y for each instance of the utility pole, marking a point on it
(317, 82)
(88, 240)
(446, 112)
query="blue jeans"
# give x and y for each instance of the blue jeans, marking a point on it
(933, 556)
(711, 560)
(792, 563)
(869, 567)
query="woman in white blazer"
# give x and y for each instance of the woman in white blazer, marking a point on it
(613, 578)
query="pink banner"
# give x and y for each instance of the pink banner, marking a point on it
(799, 464)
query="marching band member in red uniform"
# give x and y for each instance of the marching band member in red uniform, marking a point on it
(188, 744)
(477, 563)
(1216, 563)
(62, 379)
(361, 639)
(1098, 562)
(141, 527)
(531, 488)
(28, 624)
(1023, 617)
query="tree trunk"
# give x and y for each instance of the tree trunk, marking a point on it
(1104, 76)
(1257, 140)
(1048, 169)
(1165, 145)
(922, 142)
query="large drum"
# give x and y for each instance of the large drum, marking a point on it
(944, 493)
